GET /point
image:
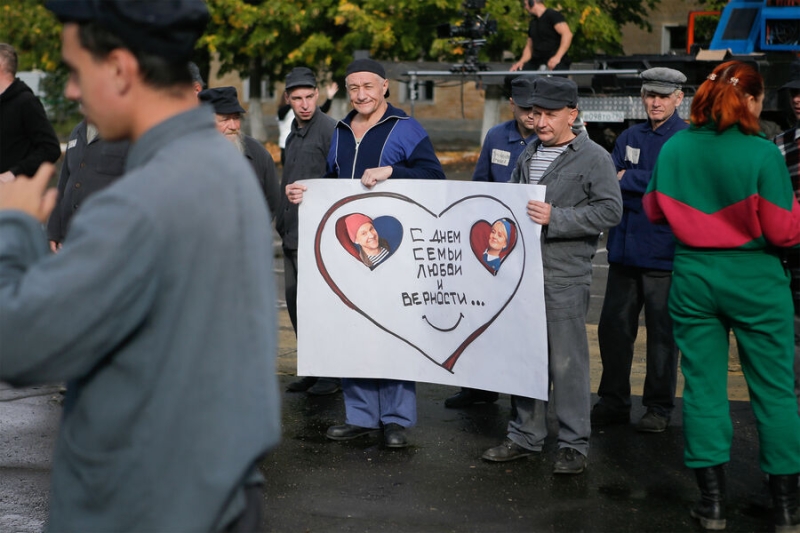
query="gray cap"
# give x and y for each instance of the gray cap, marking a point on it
(166, 29)
(794, 75)
(554, 92)
(522, 91)
(300, 77)
(662, 80)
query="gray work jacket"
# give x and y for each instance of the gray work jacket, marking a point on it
(159, 311)
(583, 189)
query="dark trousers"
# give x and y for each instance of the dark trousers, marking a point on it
(536, 62)
(290, 282)
(628, 290)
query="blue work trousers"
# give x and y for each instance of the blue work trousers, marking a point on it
(628, 289)
(568, 361)
(371, 403)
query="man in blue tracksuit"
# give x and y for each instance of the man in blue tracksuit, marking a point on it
(640, 269)
(502, 146)
(374, 142)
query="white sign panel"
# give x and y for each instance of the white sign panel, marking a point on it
(422, 280)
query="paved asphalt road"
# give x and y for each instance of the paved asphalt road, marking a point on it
(634, 482)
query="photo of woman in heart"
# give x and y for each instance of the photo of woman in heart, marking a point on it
(370, 241)
(491, 244)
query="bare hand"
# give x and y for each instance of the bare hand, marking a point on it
(539, 212)
(55, 246)
(552, 63)
(294, 192)
(29, 195)
(332, 89)
(372, 176)
(620, 174)
(516, 66)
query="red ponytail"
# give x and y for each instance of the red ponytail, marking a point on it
(722, 98)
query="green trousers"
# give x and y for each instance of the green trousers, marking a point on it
(712, 293)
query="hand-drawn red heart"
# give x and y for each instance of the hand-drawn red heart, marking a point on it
(492, 243)
(440, 333)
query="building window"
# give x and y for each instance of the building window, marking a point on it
(674, 41)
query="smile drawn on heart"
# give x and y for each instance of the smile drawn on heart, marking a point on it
(451, 360)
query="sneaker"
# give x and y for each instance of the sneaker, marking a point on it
(652, 422)
(507, 451)
(569, 461)
(602, 415)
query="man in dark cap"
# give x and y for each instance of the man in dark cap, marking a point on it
(581, 201)
(27, 138)
(640, 268)
(228, 119)
(789, 143)
(502, 146)
(390, 144)
(306, 150)
(159, 310)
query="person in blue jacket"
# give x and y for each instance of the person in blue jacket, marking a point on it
(640, 269)
(374, 142)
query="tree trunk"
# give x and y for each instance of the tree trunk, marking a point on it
(256, 116)
(491, 108)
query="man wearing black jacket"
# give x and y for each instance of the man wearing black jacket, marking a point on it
(26, 137)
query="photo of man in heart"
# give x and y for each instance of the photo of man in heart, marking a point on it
(362, 237)
(491, 244)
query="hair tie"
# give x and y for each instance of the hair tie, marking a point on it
(711, 77)
(733, 81)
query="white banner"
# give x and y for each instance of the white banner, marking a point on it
(422, 280)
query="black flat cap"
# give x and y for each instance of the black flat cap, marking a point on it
(224, 99)
(554, 92)
(522, 91)
(661, 80)
(300, 77)
(168, 29)
(366, 65)
(794, 75)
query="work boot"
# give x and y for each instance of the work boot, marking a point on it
(302, 384)
(710, 510)
(466, 397)
(784, 503)
(325, 386)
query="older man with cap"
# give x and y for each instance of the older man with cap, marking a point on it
(306, 151)
(789, 143)
(228, 120)
(159, 310)
(502, 146)
(374, 142)
(581, 201)
(640, 269)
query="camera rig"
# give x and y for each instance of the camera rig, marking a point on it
(473, 28)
